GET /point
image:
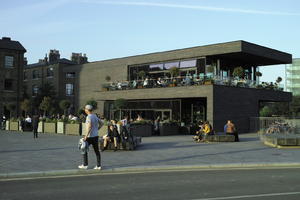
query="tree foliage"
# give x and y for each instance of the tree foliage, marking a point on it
(25, 105)
(93, 103)
(45, 105)
(238, 72)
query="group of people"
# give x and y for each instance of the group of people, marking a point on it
(205, 129)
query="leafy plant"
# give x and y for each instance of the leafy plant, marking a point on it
(238, 72)
(45, 105)
(11, 107)
(25, 106)
(259, 74)
(174, 71)
(93, 103)
(64, 105)
(141, 74)
(278, 80)
(107, 78)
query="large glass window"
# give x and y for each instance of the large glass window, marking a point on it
(35, 90)
(8, 84)
(25, 75)
(70, 75)
(9, 61)
(69, 89)
(171, 64)
(35, 74)
(188, 63)
(50, 72)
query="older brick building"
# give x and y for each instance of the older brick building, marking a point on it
(11, 75)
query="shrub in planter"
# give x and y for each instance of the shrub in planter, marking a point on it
(14, 124)
(169, 128)
(73, 128)
(143, 128)
(50, 126)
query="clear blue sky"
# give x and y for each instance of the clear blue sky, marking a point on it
(117, 28)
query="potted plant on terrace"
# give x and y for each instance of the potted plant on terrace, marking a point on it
(105, 86)
(174, 71)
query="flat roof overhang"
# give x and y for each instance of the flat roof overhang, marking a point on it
(251, 54)
(237, 53)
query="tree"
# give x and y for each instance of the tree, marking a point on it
(238, 72)
(107, 78)
(45, 105)
(25, 105)
(119, 104)
(64, 105)
(278, 80)
(93, 103)
(141, 74)
(12, 108)
(45, 90)
(174, 71)
(266, 111)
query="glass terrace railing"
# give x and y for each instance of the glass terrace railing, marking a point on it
(189, 81)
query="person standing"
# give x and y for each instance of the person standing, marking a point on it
(231, 130)
(35, 124)
(91, 137)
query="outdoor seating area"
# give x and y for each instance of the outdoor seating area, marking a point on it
(189, 80)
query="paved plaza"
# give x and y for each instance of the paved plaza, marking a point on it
(20, 153)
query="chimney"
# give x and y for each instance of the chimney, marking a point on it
(6, 38)
(25, 61)
(78, 58)
(54, 55)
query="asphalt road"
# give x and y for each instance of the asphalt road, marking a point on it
(242, 184)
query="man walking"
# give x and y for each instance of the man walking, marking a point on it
(35, 124)
(91, 137)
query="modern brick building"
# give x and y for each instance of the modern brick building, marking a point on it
(216, 102)
(11, 75)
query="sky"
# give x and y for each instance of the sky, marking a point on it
(105, 29)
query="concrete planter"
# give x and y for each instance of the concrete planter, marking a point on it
(49, 127)
(168, 129)
(73, 129)
(7, 123)
(141, 130)
(83, 129)
(61, 127)
(41, 127)
(102, 131)
(14, 126)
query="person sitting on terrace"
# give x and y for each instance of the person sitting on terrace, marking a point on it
(187, 80)
(111, 137)
(146, 83)
(139, 118)
(119, 85)
(134, 84)
(160, 82)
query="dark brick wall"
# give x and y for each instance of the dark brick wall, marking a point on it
(239, 104)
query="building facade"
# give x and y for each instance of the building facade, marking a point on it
(49, 71)
(212, 95)
(11, 76)
(293, 77)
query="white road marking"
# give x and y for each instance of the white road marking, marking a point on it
(251, 196)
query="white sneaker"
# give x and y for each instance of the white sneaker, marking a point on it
(98, 168)
(82, 167)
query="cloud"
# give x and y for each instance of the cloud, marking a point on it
(195, 7)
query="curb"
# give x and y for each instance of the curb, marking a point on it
(142, 169)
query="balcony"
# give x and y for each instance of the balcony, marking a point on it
(189, 81)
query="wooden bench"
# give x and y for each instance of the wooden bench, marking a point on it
(128, 145)
(220, 137)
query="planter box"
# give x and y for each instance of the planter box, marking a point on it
(7, 123)
(83, 129)
(14, 126)
(61, 127)
(209, 82)
(102, 131)
(49, 127)
(41, 127)
(167, 129)
(73, 129)
(141, 130)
